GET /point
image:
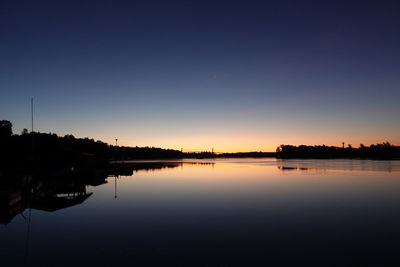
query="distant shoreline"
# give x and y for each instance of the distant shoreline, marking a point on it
(376, 151)
(28, 151)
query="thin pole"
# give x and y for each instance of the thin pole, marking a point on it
(32, 112)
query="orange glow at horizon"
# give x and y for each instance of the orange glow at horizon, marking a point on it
(233, 138)
(251, 143)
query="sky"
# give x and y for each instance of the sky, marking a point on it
(229, 75)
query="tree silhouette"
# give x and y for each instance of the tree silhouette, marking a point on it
(5, 128)
(377, 151)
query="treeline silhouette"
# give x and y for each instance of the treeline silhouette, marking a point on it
(32, 149)
(248, 155)
(28, 150)
(374, 151)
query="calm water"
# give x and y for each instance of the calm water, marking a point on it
(223, 213)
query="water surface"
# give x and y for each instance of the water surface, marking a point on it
(219, 212)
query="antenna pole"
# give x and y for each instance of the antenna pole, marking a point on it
(32, 113)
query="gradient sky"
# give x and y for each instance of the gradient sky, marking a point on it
(233, 75)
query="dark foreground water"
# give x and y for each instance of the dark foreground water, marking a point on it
(226, 213)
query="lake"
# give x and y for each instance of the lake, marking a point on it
(222, 212)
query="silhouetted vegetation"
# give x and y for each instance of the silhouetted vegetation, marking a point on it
(33, 150)
(200, 155)
(248, 155)
(48, 150)
(5, 129)
(376, 151)
(28, 151)
(68, 151)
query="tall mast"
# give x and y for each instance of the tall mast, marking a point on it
(32, 113)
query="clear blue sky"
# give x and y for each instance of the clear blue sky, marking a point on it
(233, 75)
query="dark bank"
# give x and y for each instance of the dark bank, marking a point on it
(30, 151)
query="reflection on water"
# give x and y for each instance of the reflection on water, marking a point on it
(284, 168)
(198, 212)
(62, 189)
(342, 164)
